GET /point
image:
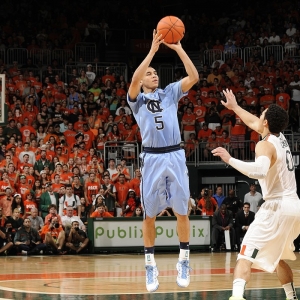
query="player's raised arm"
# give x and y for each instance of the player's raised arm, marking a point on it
(135, 85)
(249, 119)
(193, 76)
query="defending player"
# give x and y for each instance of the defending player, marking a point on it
(164, 172)
(269, 239)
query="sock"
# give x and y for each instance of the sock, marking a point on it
(184, 253)
(149, 256)
(185, 246)
(238, 288)
(290, 291)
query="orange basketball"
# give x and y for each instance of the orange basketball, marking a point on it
(171, 28)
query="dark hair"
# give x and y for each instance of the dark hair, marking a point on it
(205, 192)
(246, 203)
(277, 118)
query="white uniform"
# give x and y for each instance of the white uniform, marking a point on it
(277, 223)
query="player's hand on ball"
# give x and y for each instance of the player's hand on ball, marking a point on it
(173, 46)
(156, 41)
(222, 153)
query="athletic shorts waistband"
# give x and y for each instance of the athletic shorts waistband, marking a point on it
(161, 150)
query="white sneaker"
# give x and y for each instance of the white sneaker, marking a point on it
(152, 283)
(183, 277)
(24, 252)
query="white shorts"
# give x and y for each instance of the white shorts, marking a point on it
(270, 237)
(165, 183)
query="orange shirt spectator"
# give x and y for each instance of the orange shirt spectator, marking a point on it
(204, 133)
(239, 128)
(200, 111)
(267, 100)
(101, 213)
(91, 187)
(283, 100)
(207, 207)
(122, 188)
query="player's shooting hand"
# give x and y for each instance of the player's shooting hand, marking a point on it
(222, 153)
(230, 99)
(156, 41)
(173, 46)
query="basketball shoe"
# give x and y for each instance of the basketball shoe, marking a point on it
(152, 283)
(183, 277)
(236, 298)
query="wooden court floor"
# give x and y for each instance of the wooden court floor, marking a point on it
(122, 277)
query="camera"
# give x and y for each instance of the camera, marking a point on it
(205, 192)
(62, 142)
(56, 225)
(76, 228)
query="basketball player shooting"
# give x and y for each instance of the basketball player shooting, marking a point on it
(269, 239)
(164, 173)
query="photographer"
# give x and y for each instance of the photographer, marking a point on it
(77, 239)
(54, 236)
(207, 204)
(5, 239)
(28, 240)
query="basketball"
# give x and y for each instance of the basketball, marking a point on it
(171, 28)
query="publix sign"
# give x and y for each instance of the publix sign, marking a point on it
(129, 233)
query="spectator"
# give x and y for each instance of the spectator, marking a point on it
(291, 30)
(221, 222)
(77, 239)
(28, 240)
(36, 221)
(91, 188)
(122, 189)
(233, 203)
(100, 212)
(207, 205)
(6, 242)
(69, 200)
(253, 197)
(109, 194)
(129, 204)
(69, 218)
(243, 219)
(54, 236)
(49, 197)
(6, 202)
(91, 77)
(15, 220)
(219, 195)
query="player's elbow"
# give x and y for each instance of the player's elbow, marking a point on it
(194, 77)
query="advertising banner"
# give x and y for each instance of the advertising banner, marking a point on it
(127, 233)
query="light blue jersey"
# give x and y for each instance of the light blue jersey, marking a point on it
(165, 180)
(156, 115)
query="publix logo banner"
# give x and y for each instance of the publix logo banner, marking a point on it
(129, 233)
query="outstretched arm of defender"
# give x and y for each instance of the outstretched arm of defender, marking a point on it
(249, 119)
(258, 170)
(135, 85)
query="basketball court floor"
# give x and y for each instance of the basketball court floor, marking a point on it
(122, 277)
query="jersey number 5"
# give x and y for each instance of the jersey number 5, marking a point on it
(160, 123)
(289, 161)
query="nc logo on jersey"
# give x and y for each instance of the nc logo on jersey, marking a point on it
(154, 106)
